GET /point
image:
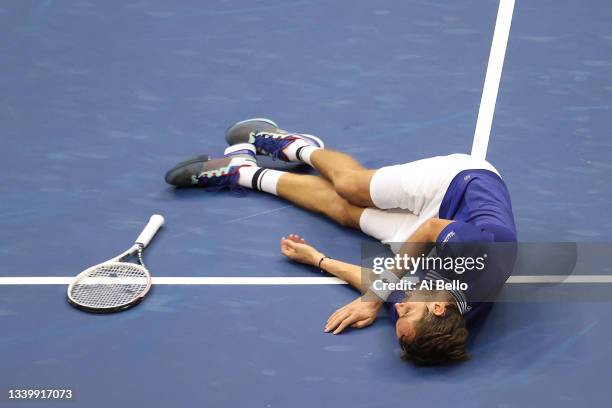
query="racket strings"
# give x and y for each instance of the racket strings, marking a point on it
(110, 285)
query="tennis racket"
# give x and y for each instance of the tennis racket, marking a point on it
(114, 285)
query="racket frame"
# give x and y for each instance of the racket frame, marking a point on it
(141, 243)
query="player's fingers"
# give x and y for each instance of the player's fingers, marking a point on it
(334, 320)
(345, 323)
(362, 323)
(333, 323)
(296, 238)
(333, 315)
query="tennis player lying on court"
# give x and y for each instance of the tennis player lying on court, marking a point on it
(413, 207)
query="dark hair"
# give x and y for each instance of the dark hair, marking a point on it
(438, 339)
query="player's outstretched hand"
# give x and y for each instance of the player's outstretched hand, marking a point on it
(358, 314)
(295, 248)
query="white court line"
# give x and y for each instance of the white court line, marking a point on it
(286, 280)
(187, 280)
(492, 79)
(561, 279)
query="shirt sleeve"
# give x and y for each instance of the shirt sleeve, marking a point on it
(496, 245)
(462, 239)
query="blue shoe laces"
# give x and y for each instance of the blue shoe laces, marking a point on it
(265, 142)
(227, 181)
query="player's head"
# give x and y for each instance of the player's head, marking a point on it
(430, 329)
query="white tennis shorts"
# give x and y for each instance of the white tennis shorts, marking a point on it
(407, 195)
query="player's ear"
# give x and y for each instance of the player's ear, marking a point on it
(439, 308)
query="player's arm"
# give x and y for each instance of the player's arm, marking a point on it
(295, 248)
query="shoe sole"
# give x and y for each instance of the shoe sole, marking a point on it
(268, 121)
(312, 138)
(198, 159)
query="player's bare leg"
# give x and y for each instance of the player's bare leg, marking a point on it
(317, 194)
(350, 179)
(238, 167)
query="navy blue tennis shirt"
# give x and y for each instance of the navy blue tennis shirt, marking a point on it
(478, 202)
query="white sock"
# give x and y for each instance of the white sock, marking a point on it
(259, 178)
(300, 150)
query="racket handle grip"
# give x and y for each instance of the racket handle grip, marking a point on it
(150, 230)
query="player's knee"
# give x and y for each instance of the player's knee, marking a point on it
(350, 185)
(340, 213)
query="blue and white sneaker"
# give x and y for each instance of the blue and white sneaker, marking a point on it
(202, 171)
(267, 138)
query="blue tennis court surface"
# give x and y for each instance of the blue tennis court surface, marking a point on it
(99, 99)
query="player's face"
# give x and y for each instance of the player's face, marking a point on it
(417, 304)
(409, 313)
